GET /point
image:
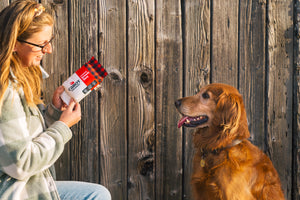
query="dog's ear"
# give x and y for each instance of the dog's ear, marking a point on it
(229, 111)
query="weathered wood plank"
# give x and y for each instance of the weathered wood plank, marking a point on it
(225, 42)
(113, 109)
(57, 65)
(252, 58)
(296, 106)
(141, 83)
(279, 92)
(83, 45)
(168, 88)
(197, 69)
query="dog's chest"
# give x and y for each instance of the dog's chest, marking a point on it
(205, 165)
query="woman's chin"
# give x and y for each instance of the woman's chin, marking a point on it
(37, 62)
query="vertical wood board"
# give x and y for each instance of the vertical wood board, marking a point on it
(113, 110)
(296, 107)
(280, 97)
(141, 95)
(225, 42)
(168, 88)
(252, 59)
(84, 45)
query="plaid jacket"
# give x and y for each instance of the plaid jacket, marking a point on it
(30, 142)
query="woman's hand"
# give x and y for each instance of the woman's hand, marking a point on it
(72, 114)
(56, 100)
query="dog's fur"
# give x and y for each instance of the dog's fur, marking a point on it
(226, 166)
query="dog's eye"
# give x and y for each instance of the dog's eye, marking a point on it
(205, 95)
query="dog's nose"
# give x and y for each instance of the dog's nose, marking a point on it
(178, 103)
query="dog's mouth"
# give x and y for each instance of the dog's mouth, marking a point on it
(192, 121)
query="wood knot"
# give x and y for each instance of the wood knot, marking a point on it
(145, 164)
(114, 75)
(145, 77)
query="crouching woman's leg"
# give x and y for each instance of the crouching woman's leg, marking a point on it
(70, 190)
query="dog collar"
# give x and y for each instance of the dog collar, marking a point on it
(205, 152)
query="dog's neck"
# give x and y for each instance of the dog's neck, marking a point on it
(204, 152)
(211, 138)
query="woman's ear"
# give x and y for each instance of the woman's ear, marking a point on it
(16, 47)
(229, 111)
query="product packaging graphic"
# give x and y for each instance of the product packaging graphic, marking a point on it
(83, 81)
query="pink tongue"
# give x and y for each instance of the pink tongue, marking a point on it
(181, 122)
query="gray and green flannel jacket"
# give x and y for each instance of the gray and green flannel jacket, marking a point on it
(30, 142)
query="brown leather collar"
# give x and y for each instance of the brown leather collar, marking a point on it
(205, 152)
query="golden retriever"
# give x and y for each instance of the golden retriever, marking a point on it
(226, 166)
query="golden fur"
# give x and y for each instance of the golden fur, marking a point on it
(226, 166)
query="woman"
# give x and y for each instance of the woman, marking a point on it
(30, 140)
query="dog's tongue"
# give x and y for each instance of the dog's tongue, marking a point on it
(181, 122)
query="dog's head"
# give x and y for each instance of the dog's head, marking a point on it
(217, 111)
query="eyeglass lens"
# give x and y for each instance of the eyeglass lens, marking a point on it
(47, 45)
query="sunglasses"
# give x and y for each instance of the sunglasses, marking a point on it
(44, 47)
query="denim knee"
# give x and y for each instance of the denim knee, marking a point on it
(69, 190)
(99, 193)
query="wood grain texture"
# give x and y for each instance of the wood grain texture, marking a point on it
(113, 109)
(296, 107)
(141, 95)
(197, 35)
(169, 87)
(83, 45)
(252, 66)
(279, 94)
(224, 50)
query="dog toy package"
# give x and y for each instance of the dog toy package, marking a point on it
(83, 81)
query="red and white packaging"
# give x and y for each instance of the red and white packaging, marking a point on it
(83, 81)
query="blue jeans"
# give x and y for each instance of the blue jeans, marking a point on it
(70, 190)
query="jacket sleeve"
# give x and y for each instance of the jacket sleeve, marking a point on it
(25, 148)
(51, 114)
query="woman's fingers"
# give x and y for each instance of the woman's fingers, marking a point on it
(72, 115)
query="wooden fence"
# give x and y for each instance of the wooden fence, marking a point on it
(156, 52)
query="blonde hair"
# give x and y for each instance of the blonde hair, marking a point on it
(20, 20)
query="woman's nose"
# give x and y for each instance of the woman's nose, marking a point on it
(47, 49)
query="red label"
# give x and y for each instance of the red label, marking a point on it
(85, 75)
